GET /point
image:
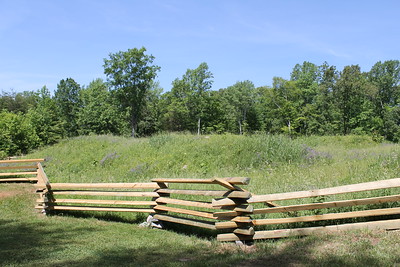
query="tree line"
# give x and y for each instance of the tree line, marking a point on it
(315, 100)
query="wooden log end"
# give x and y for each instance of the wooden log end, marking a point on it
(237, 180)
(244, 231)
(242, 219)
(233, 237)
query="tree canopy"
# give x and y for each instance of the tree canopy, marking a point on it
(315, 100)
(130, 74)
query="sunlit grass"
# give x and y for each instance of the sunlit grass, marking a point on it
(31, 239)
(274, 164)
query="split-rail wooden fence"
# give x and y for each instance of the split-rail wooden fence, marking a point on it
(218, 203)
(17, 170)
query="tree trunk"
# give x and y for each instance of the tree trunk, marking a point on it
(240, 127)
(133, 126)
(198, 126)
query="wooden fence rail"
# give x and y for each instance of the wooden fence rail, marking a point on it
(219, 203)
(49, 199)
(199, 213)
(17, 170)
(326, 211)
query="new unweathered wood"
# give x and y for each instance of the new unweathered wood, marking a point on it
(235, 212)
(328, 191)
(236, 222)
(18, 179)
(244, 231)
(271, 204)
(332, 204)
(162, 185)
(105, 185)
(242, 219)
(230, 225)
(237, 180)
(166, 200)
(104, 202)
(223, 202)
(17, 173)
(386, 225)
(224, 183)
(196, 223)
(22, 167)
(232, 180)
(42, 177)
(185, 211)
(100, 193)
(78, 208)
(232, 194)
(329, 216)
(244, 208)
(21, 160)
(183, 180)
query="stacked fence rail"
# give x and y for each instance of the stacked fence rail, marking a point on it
(194, 207)
(221, 203)
(19, 170)
(326, 211)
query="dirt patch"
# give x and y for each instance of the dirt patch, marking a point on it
(9, 194)
(12, 190)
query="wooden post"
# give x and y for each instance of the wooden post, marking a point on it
(239, 212)
(43, 188)
(151, 220)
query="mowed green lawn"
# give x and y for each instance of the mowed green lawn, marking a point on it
(275, 164)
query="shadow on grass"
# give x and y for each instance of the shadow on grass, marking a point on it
(312, 251)
(140, 218)
(190, 230)
(103, 216)
(23, 243)
(154, 255)
(297, 252)
(29, 244)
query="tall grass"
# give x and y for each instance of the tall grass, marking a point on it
(106, 158)
(274, 163)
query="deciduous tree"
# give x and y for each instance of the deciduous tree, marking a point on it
(130, 74)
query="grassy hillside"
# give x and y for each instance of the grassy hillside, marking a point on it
(274, 163)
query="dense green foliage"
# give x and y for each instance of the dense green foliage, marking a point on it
(316, 100)
(130, 75)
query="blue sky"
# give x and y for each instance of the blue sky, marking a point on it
(43, 41)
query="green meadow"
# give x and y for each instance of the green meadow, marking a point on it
(274, 163)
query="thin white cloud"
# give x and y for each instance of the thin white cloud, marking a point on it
(266, 32)
(26, 81)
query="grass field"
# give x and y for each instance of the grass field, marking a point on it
(274, 164)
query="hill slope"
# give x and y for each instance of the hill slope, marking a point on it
(274, 163)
